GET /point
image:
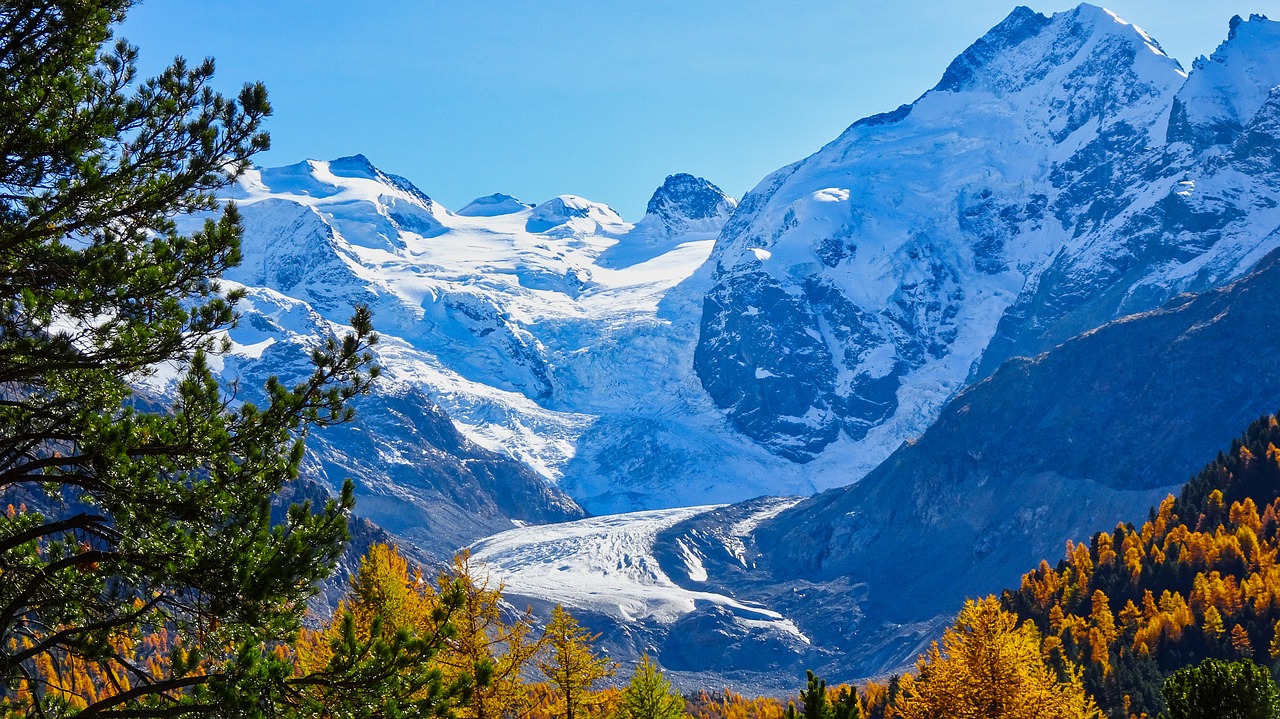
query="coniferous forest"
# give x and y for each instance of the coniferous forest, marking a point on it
(147, 569)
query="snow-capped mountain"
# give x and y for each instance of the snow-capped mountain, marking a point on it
(1093, 433)
(415, 473)
(557, 335)
(856, 581)
(1063, 172)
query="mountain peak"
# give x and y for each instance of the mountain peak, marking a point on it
(1026, 47)
(687, 197)
(1020, 25)
(493, 205)
(1227, 88)
(1237, 21)
(573, 215)
(357, 166)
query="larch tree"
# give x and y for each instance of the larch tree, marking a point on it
(571, 664)
(649, 695)
(990, 667)
(488, 644)
(135, 515)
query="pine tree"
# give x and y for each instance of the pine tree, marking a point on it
(376, 657)
(847, 705)
(1217, 689)
(136, 516)
(814, 698)
(649, 695)
(572, 666)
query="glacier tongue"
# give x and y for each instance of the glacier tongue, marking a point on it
(607, 565)
(652, 583)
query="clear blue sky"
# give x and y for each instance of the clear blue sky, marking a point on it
(599, 98)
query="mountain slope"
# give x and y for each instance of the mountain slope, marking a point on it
(558, 335)
(1209, 557)
(1063, 172)
(1040, 189)
(1088, 434)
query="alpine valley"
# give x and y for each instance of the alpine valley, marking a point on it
(797, 430)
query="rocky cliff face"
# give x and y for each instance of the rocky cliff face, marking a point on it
(1054, 179)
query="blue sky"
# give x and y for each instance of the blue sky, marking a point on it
(601, 99)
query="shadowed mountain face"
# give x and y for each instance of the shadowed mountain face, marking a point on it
(1091, 433)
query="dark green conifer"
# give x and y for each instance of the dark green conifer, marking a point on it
(847, 705)
(1217, 689)
(153, 519)
(814, 698)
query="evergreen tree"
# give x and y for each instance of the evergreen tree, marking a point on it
(1217, 689)
(847, 705)
(377, 656)
(572, 666)
(814, 698)
(151, 518)
(649, 695)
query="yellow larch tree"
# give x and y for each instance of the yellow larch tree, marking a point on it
(1240, 643)
(571, 665)
(382, 589)
(377, 655)
(1102, 631)
(484, 638)
(990, 667)
(1213, 625)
